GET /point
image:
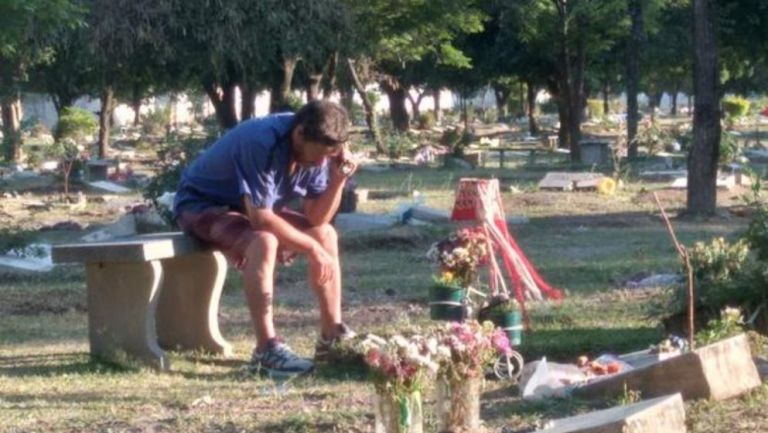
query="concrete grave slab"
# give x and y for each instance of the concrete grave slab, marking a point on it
(564, 181)
(110, 187)
(664, 414)
(718, 371)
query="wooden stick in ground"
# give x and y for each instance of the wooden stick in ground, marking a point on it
(689, 270)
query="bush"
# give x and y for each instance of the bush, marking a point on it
(595, 108)
(293, 103)
(34, 127)
(398, 143)
(730, 149)
(654, 139)
(735, 107)
(173, 158)
(76, 124)
(156, 121)
(427, 120)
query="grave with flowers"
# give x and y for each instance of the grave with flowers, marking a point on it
(448, 360)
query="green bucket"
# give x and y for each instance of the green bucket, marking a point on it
(511, 322)
(446, 303)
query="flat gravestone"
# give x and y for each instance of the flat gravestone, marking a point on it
(595, 152)
(663, 414)
(563, 181)
(721, 370)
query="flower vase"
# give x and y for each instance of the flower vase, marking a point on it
(458, 405)
(446, 303)
(398, 414)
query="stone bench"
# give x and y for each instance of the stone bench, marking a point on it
(148, 293)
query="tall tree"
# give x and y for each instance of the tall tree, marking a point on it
(570, 33)
(394, 33)
(634, 49)
(28, 28)
(703, 156)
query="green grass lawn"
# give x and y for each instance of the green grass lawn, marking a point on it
(587, 244)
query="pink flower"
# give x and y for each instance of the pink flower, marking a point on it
(500, 341)
(373, 358)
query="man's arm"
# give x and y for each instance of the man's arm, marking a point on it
(291, 238)
(321, 210)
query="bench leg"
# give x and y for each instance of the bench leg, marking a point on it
(187, 312)
(122, 298)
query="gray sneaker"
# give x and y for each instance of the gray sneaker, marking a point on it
(324, 347)
(279, 361)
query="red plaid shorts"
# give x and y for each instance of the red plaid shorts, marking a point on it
(229, 231)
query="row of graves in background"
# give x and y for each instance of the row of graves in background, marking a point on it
(482, 329)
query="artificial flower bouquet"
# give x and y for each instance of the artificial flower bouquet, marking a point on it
(464, 350)
(459, 256)
(400, 367)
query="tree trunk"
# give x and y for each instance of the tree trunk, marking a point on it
(223, 101)
(282, 88)
(136, 104)
(502, 97)
(653, 98)
(313, 86)
(347, 98)
(416, 103)
(397, 111)
(105, 116)
(247, 101)
(533, 126)
(578, 100)
(690, 105)
(563, 133)
(438, 111)
(11, 107)
(703, 156)
(60, 102)
(330, 77)
(370, 113)
(606, 104)
(634, 48)
(673, 110)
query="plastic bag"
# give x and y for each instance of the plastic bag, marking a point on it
(541, 379)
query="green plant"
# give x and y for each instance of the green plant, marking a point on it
(34, 127)
(173, 158)
(629, 396)
(293, 102)
(397, 143)
(735, 107)
(730, 149)
(595, 108)
(67, 152)
(653, 138)
(76, 124)
(427, 120)
(730, 323)
(156, 121)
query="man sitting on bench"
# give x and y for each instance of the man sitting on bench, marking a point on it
(233, 195)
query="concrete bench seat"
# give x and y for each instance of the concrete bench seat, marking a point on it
(148, 293)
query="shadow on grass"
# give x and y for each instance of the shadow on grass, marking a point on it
(566, 345)
(57, 364)
(503, 404)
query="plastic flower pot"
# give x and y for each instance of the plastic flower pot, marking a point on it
(446, 303)
(511, 322)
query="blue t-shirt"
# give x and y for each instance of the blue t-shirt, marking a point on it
(251, 159)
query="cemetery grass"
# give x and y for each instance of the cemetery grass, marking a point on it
(587, 244)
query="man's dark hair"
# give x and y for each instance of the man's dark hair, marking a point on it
(323, 122)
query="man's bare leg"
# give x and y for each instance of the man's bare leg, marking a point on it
(328, 294)
(258, 281)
